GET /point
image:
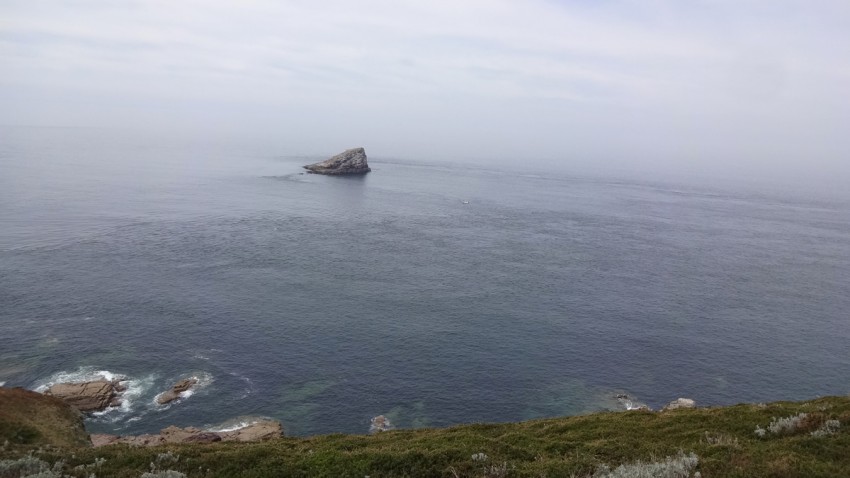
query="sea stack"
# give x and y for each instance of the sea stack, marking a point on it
(350, 161)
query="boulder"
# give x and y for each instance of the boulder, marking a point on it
(176, 390)
(350, 161)
(680, 403)
(88, 396)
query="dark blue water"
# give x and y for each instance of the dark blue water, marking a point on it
(324, 301)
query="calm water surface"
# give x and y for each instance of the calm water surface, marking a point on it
(324, 301)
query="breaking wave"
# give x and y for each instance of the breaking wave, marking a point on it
(236, 424)
(629, 403)
(82, 374)
(204, 380)
(136, 388)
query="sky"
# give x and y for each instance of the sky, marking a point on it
(729, 87)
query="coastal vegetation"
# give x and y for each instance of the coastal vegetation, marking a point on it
(797, 439)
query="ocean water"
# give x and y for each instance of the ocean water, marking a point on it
(434, 294)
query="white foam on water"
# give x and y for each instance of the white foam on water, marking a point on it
(631, 404)
(237, 423)
(234, 427)
(135, 388)
(82, 374)
(2, 384)
(380, 424)
(204, 380)
(250, 384)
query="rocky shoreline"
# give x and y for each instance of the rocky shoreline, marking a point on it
(41, 435)
(87, 397)
(49, 416)
(258, 431)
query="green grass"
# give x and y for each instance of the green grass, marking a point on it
(722, 438)
(29, 418)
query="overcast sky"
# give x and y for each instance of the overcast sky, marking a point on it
(718, 85)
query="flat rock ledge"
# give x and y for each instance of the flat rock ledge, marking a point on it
(259, 431)
(89, 396)
(178, 388)
(680, 403)
(350, 161)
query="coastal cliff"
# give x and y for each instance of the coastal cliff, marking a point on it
(782, 439)
(30, 418)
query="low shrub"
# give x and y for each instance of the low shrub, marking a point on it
(680, 466)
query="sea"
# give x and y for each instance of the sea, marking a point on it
(434, 293)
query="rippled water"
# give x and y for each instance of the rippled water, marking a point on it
(325, 301)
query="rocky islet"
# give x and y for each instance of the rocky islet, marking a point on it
(350, 161)
(176, 391)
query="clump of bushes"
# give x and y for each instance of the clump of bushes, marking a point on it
(829, 427)
(164, 459)
(30, 467)
(719, 439)
(801, 422)
(164, 474)
(680, 466)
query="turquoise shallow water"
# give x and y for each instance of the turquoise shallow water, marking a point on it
(324, 301)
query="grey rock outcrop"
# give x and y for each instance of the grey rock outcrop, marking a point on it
(680, 403)
(350, 161)
(88, 396)
(259, 431)
(176, 390)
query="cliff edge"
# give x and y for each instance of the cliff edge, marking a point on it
(30, 418)
(777, 440)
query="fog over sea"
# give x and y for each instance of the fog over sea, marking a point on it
(432, 293)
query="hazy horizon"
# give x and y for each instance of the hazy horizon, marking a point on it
(711, 88)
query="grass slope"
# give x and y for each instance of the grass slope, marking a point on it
(723, 439)
(30, 418)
